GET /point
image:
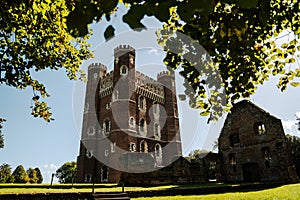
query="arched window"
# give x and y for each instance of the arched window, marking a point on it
(266, 156)
(106, 126)
(131, 122)
(158, 152)
(143, 146)
(260, 128)
(156, 130)
(156, 109)
(142, 103)
(115, 95)
(143, 127)
(91, 131)
(123, 70)
(232, 161)
(132, 147)
(89, 154)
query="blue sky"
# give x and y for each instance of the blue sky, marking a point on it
(35, 143)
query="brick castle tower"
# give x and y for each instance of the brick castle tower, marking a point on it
(127, 115)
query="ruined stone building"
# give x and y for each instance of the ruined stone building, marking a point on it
(253, 146)
(130, 121)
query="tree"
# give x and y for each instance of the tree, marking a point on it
(32, 175)
(66, 172)
(1, 135)
(240, 39)
(39, 175)
(5, 174)
(20, 175)
(192, 155)
(294, 143)
(34, 38)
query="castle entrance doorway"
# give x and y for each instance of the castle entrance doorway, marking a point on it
(251, 172)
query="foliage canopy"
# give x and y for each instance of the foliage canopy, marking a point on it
(20, 175)
(240, 38)
(33, 38)
(66, 173)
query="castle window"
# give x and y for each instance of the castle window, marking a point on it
(158, 152)
(115, 95)
(87, 178)
(132, 147)
(89, 154)
(108, 105)
(91, 131)
(266, 156)
(113, 147)
(143, 146)
(123, 70)
(260, 128)
(106, 126)
(142, 126)
(132, 122)
(156, 109)
(156, 130)
(95, 75)
(234, 139)
(142, 103)
(106, 152)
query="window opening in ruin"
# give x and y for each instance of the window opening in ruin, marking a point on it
(260, 128)
(156, 130)
(232, 161)
(266, 156)
(234, 139)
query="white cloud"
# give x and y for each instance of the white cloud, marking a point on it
(297, 114)
(289, 124)
(50, 166)
(153, 50)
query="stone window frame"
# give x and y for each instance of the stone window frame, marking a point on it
(232, 161)
(91, 131)
(113, 147)
(145, 148)
(132, 147)
(142, 103)
(260, 128)
(89, 154)
(158, 152)
(123, 70)
(115, 95)
(266, 155)
(156, 109)
(143, 131)
(106, 152)
(156, 130)
(95, 75)
(131, 122)
(108, 105)
(106, 129)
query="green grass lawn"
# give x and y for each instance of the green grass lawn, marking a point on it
(283, 192)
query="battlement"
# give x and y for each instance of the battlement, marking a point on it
(122, 49)
(164, 74)
(97, 65)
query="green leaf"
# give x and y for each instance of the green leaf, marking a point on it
(295, 84)
(205, 113)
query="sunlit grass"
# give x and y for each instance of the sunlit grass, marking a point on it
(284, 192)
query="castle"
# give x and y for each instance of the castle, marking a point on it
(130, 121)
